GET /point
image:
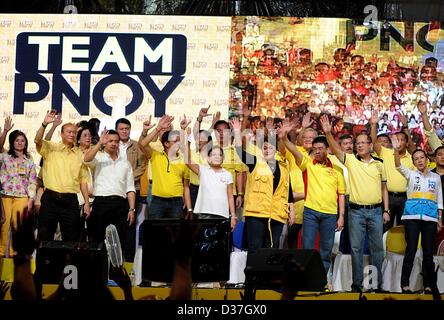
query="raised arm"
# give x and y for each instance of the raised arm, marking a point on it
(374, 132)
(395, 144)
(432, 138)
(187, 146)
(146, 127)
(216, 118)
(334, 146)
(306, 122)
(293, 134)
(6, 128)
(184, 123)
(196, 128)
(236, 124)
(240, 145)
(57, 121)
(405, 128)
(163, 124)
(188, 161)
(49, 118)
(282, 134)
(92, 152)
(422, 108)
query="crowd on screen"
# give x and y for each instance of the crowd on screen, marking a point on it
(307, 172)
(279, 80)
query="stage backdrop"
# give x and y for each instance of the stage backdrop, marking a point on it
(266, 55)
(111, 66)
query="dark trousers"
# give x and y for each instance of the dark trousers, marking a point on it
(428, 232)
(194, 190)
(130, 242)
(344, 241)
(60, 208)
(396, 205)
(106, 211)
(293, 235)
(166, 208)
(258, 233)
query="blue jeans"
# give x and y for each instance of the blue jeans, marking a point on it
(149, 196)
(361, 221)
(326, 224)
(166, 208)
(258, 234)
(344, 241)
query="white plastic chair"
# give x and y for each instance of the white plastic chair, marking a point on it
(384, 242)
(335, 250)
(440, 251)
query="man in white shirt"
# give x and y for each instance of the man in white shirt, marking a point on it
(114, 190)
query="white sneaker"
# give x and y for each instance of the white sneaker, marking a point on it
(158, 284)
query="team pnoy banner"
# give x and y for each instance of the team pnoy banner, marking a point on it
(106, 66)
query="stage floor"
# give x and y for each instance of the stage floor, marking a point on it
(156, 293)
(233, 294)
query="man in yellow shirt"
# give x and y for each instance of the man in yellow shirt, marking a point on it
(65, 176)
(396, 183)
(297, 184)
(170, 175)
(304, 143)
(346, 144)
(368, 194)
(320, 213)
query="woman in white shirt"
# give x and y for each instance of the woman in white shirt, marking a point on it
(422, 215)
(215, 196)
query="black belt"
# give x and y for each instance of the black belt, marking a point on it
(60, 194)
(398, 194)
(109, 198)
(364, 206)
(168, 199)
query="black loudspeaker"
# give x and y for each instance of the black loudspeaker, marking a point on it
(268, 269)
(53, 256)
(210, 259)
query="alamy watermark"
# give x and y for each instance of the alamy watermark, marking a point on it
(71, 280)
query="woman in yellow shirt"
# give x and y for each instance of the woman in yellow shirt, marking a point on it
(268, 196)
